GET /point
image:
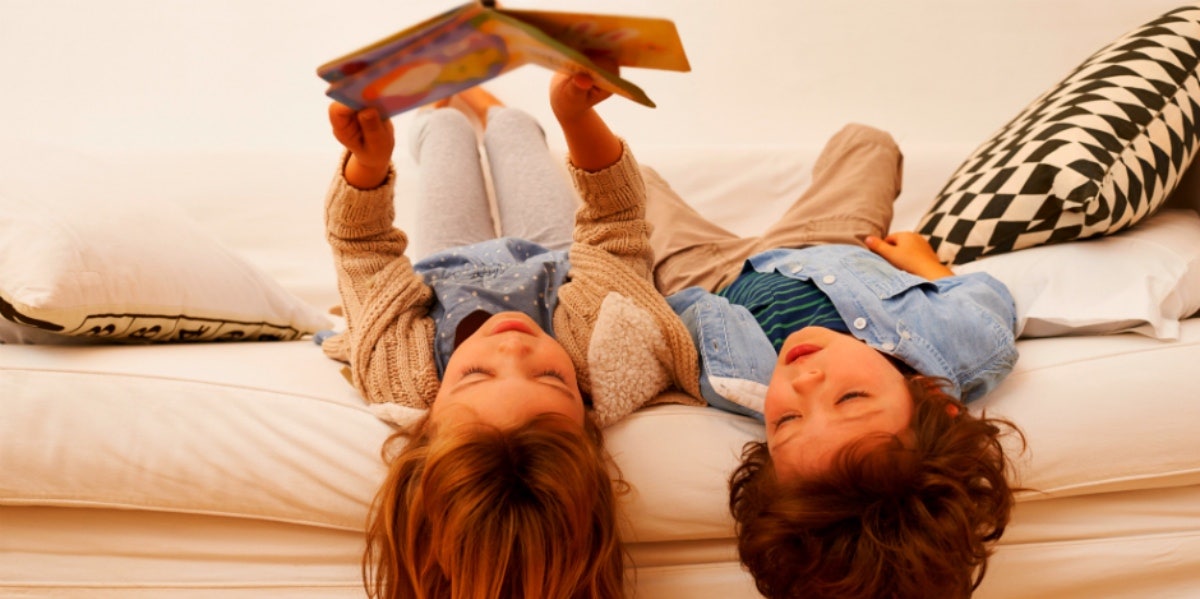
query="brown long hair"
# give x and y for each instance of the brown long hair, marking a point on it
(484, 513)
(887, 519)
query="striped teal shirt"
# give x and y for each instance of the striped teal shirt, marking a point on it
(783, 305)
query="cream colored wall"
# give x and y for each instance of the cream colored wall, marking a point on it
(198, 74)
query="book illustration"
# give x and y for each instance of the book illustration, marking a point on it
(471, 44)
(423, 73)
(356, 61)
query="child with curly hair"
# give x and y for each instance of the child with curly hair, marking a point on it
(503, 353)
(856, 349)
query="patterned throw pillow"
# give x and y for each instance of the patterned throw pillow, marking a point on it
(1095, 154)
(137, 269)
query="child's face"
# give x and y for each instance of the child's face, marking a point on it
(507, 372)
(829, 389)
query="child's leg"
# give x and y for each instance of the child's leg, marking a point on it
(688, 249)
(534, 198)
(453, 208)
(854, 184)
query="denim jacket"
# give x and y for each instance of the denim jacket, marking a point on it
(493, 276)
(959, 327)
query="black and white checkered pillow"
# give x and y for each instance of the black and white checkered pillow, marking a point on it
(1095, 154)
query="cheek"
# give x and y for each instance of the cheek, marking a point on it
(779, 391)
(457, 362)
(772, 441)
(578, 413)
(440, 401)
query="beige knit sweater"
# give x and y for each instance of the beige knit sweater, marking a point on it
(626, 343)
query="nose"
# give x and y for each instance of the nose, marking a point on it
(514, 345)
(806, 380)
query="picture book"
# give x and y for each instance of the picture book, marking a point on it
(478, 41)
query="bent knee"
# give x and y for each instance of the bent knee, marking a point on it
(509, 119)
(445, 123)
(858, 133)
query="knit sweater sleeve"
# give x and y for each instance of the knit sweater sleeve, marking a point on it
(612, 217)
(611, 254)
(384, 301)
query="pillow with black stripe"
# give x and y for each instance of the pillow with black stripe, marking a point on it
(104, 268)
(1097, 153)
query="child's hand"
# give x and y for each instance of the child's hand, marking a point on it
(909, 252)
(572, 95)
(370, 140)
(591, 145)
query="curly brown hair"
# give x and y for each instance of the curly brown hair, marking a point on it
(888, 519)
(485, 513)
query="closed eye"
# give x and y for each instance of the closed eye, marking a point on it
(554, 374)
(784, 419)
(550, 372)
(852, 395)
(469, 370)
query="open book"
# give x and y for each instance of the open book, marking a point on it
(477, 41)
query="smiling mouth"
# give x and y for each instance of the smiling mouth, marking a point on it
(799, 351)
(512, 325)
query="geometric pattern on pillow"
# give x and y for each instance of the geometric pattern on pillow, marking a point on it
(1097, 153)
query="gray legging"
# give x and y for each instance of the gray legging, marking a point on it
(534, 198)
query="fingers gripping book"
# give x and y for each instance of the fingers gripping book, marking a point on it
(477, 41)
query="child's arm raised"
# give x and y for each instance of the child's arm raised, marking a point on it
(383, 299)
(591, 144)
(359, 211)
(612, 218)
(610, 306)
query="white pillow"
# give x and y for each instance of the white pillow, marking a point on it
(1141, 280)
(132, 270)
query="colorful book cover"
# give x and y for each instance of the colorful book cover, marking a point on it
(473, 43)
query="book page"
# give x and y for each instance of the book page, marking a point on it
(643, 42)
(527, 44)
(460, 55)
(354, 62)
(471, 44)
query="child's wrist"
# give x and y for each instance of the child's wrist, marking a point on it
(365, 175)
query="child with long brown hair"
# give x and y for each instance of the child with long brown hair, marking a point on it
(857, 349)
(510, 349)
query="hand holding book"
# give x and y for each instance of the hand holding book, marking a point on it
(475, 42)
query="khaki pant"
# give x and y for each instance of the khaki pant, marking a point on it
(854, 183)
